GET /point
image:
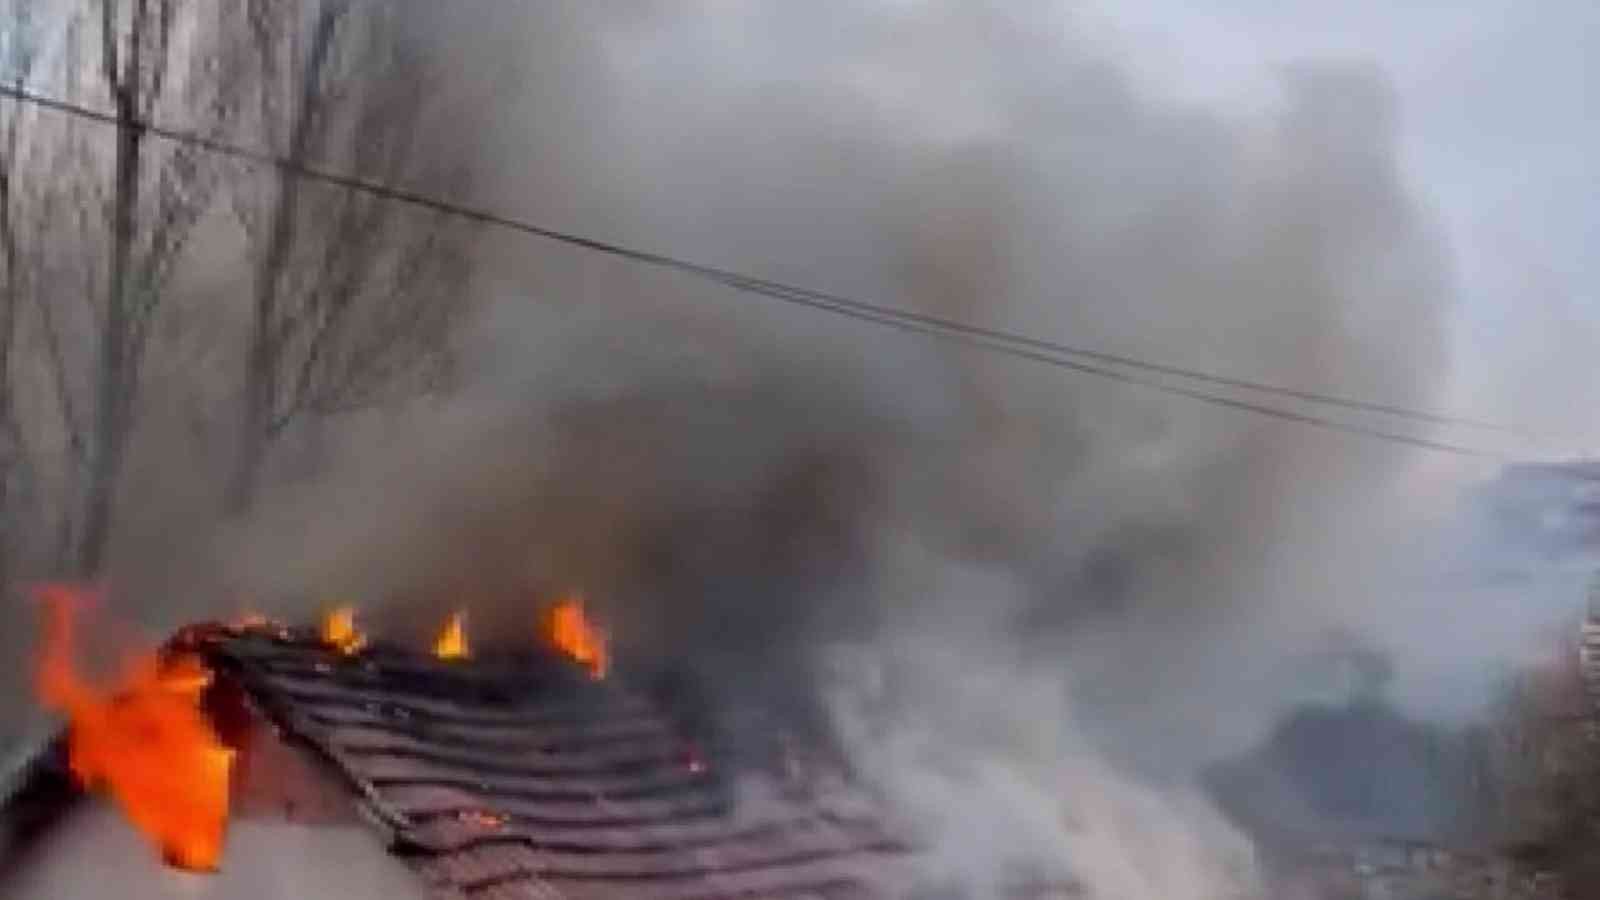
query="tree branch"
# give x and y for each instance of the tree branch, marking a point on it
(158, 70)
(108, 47)
(71, 422)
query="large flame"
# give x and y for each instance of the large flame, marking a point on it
(452, 642)
(145, 743)
(339, 630)
(569, 629)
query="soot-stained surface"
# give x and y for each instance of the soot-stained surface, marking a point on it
(518, 776)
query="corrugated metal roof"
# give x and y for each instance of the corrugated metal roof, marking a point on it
(520, 777)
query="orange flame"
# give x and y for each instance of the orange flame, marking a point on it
(146, 743)
(569, 629)
(486, 820)
(251, 621)
(339, 631)
(452, 642)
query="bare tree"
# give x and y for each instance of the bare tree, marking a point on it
(156, 199)
(354, 294)
(49, 187)
(19, 52)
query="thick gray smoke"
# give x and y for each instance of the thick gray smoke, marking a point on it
(1031, 605)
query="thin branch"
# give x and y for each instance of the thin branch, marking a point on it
(162, 62)
(133, 63)
(71, 422)
(108, 46)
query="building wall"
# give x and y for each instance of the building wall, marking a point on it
(294, 835)
(93, 854)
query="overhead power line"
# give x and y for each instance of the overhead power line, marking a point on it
(1053, 353)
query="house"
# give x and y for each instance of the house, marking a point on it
(1549, 511)
(394, 774)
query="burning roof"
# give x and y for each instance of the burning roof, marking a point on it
(500, 776)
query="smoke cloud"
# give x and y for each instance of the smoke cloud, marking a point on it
(1030, 606)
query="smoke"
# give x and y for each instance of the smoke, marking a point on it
(1032, 607)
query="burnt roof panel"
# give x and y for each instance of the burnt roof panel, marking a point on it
(357, 740)
(787, 881)
(359, 686)
(454, 833)
(552, 738)
(796, 847)
(502, 781)
(529, 889)
(510, 776)
(421, 801)
(424, 738)
(486, 866)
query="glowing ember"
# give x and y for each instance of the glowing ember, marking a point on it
(485, 820)
(570, 630)
(452, 642)
(146, 743)
(692, 760)
(251, 621)
(339, 631)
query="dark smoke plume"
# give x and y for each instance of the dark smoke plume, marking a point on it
(1029, 605)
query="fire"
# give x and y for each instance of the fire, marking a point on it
(486, 820)
(145, 743)
(452, 642)
(570, 630)
(339, 631)
(256, 623)
(251, 621)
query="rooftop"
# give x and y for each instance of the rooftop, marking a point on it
(522, 776)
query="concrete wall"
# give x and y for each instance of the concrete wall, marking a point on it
(294, 835)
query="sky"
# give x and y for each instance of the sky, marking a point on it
(1500, 136)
